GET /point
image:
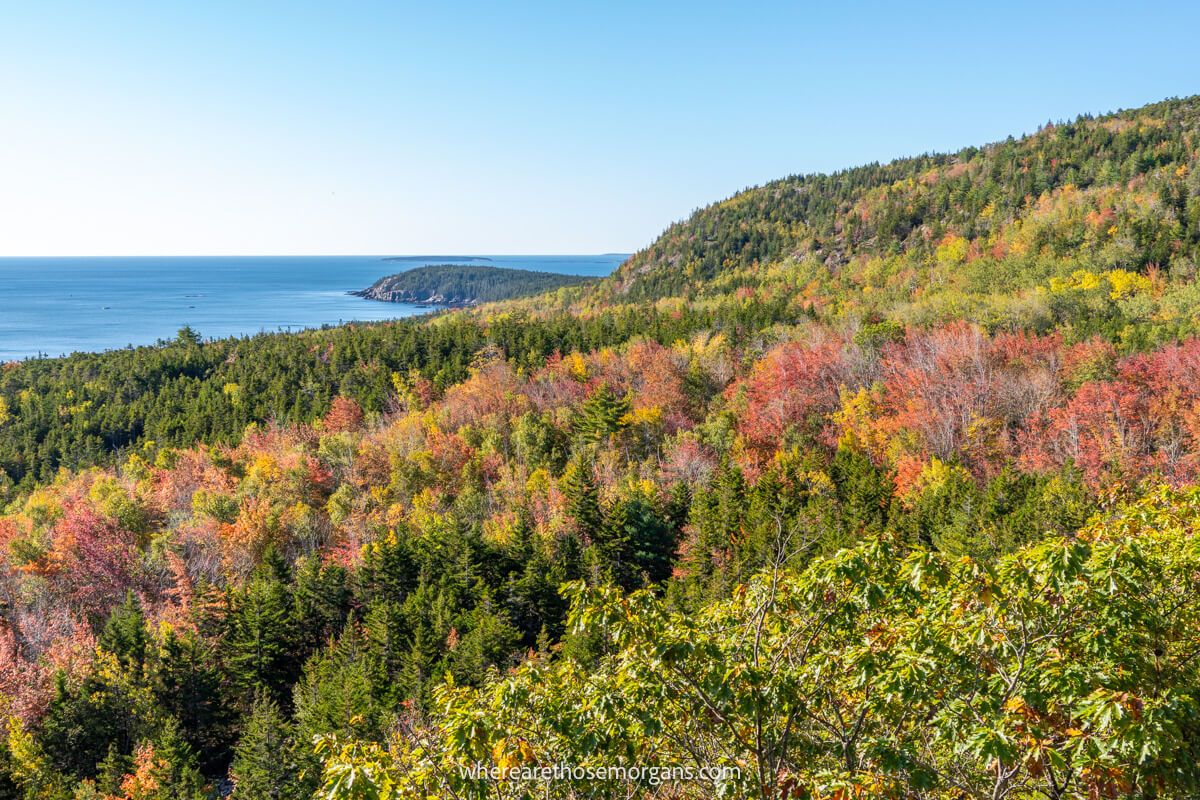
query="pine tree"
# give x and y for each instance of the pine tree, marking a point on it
(421, 661)
(186, 682)
(321, 601)
(863, 491)
(483, 638)
(583, 496)
(387, 643)
(650, 540)
(336, 695)
(260, 641)
(602, 415)
(389, 569)
(112, 770)
(531, 594)
(262, 765)
(125, 634)
(174, 771)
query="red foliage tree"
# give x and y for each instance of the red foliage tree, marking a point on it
(953, 393)
(792, 385)
(1145, 420)
(657, 382)
(99, 561)
(493, 391)
(345, 414)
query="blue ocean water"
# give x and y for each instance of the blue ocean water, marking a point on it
(54, 306)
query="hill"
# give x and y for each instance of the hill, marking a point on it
(875, 498)
(458, 285)
(969, 234)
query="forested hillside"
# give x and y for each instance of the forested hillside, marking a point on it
(89, 409)
(879, 484)
(999, 234)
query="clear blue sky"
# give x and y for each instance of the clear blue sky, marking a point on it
(391, 127)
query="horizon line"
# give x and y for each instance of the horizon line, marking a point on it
(321, 255)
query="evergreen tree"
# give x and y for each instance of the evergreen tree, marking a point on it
(106, 710)
(649, 540)
(388, 638)
(260, 646)
(321, 601)
(174, 772)
(125, 634)
(532, 596)
(602, 415)
(335, 695)
(112, 771)
(863, 491)
(389, 569)
(482, 639)
(583, 496)
(262, 763)
(186, 682)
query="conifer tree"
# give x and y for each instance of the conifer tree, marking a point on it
(125, 635)
(582, 495)
(863, 491)
(262, 764)
(320, 603)
(112, 770)
(260, 641)
(186, 682)
(85, 719)
(389, 568)
(174, 771)
(336, 695)
(387, 641)
(602, 415)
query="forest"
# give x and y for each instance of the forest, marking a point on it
(458, 285)
(884, 483)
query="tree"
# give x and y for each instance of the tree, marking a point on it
(602, 415)
(188, 337)
(336, 695)
(637, 543)
(344, 415)
(578, 485)
(260, 646)
(187, 683)
(792, 386)
(125, 634)
(1066, 671)
(163, 769)
(106, 709)
(262, 767)
(864, 492)
(321, 600)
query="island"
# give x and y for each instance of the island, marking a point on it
(445, 259)
(460, 285)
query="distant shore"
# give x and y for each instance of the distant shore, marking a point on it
(464, 285)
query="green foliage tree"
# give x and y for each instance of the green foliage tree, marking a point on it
(583, 498)
(602, 415)
(187, 684)
(108, 709)
(262, 768)
(261, 643)
(125, 634)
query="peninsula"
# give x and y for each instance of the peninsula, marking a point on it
(459, 285)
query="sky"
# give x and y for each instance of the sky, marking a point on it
(359, 127)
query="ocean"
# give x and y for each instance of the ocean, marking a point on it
(55, 306)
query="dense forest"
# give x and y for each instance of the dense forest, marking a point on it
(878, 484)
(465, 285)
